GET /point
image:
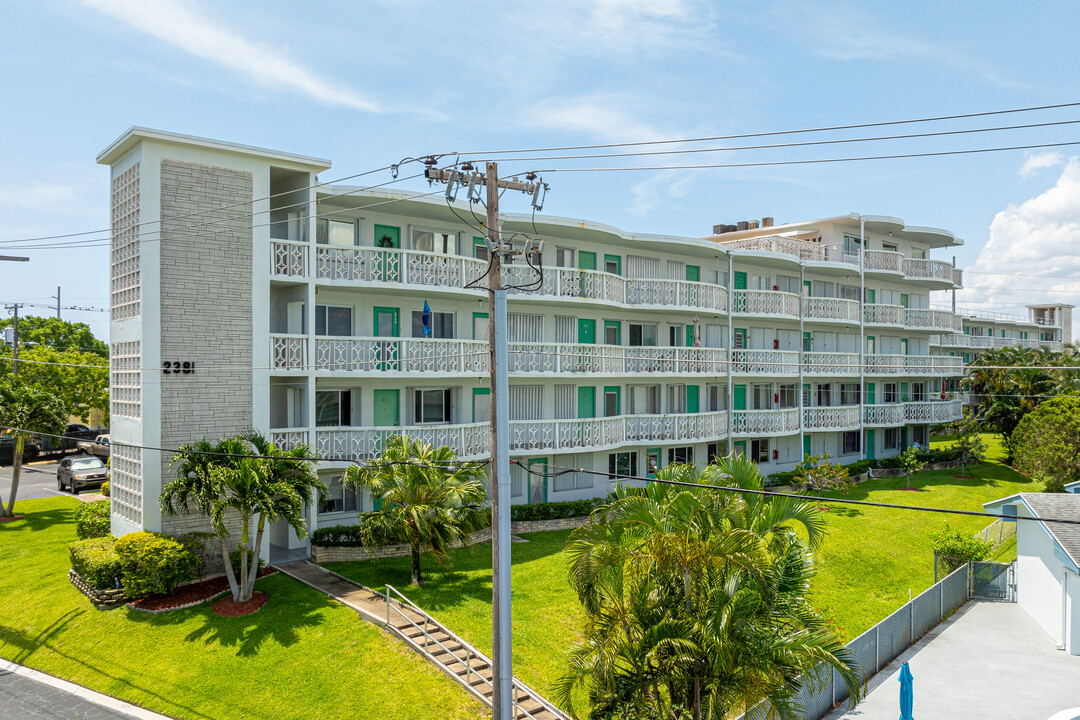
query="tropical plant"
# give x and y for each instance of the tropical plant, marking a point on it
(695, 599)
(1047, 440)
(92, 520)
(246, 477)
(25, 410)
(425, 498)
(911, 463)
(957, 547)
(819, 473)
(969, 443)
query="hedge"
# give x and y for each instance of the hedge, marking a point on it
(96, 560)
(337, 536)
(153, 564)
(92, 520)
(555, 510)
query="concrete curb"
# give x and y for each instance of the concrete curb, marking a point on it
(105, 701)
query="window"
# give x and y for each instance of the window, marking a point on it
(611, 403)
(642, 335)
(888, 247)
(918, 434)
(611, 332)
(337, 498)
(442, 325)
(787, 395)
(479, 249)
(564, 257)
(623, 463)
(613, 264)
(574, 480)
(644, 399)
(788, 283)
(759, 451)
(892, 438)
(333, 408)
(852, 245)
(481, 405)
(680, 455)
(851, 442)
(918, 254)
(760, 282)
(849, 394)
(431, 406)
(918, 392)
(715, 451)
(849, 292)
(442, 243)
(762, 397)
(333, 320)
(890, 394)
(676, 399)
(717, 397)
(824, 394)
(336, 232)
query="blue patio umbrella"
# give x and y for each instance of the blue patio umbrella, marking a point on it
(427, 318)
(907, 693)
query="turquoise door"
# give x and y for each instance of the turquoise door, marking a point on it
(870, 444)
(586, 402)
(538, 489)
(586, 331)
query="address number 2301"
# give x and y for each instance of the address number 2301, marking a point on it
(177, 368)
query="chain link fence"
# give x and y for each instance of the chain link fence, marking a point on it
(881, 644)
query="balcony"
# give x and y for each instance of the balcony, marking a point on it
(797, 249)
(831, 418)
(928, 269)
(935, 365)
(379, 265)
(831, 309)
(396, 356)
(561, 358)
(542, 436)
(831, 363)
(764, 362)
(939, 411)
(288, 352)
(890, 414)
(765, 302)
(883, 314)
(765, 422)
(883, 261)
(288, 259)
(922, 319)
(884, 364)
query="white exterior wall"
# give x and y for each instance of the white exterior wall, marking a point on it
(1038, 575)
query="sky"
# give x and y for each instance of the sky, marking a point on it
(366, 84)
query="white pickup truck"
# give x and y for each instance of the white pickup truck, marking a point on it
(99, 446)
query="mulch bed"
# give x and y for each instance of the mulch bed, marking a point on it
(192, 594)
(11, 518)
(227, 607)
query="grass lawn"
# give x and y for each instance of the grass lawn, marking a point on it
(870, 559)
(300, 656)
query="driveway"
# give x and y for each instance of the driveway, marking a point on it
(990, 660)
(26, 694)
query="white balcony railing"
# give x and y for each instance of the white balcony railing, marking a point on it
(288, 352)
(885, 260)
(288, 258)
(831, 363)
(890, 414)
(940, 411)
(799, 249)
(831, 309)
(928, 269)
(558, 358)
(764, 362)
(765, 302)
(401, 356)
(831, 418)
(883, 314)
(765, 422)
(884, 364)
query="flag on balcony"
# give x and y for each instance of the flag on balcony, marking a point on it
(427, 319)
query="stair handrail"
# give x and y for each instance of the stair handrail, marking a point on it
(539, 699)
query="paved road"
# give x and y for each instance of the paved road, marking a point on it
(38, 480)
(26, 694)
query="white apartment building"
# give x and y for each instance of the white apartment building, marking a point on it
(244, 295)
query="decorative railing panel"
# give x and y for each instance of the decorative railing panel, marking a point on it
(289, 259)
(831, 418)
(886, 260)
(765, 302)
(288, 352)
(831, 309)
(884, 314)
(765, 422)
(830, 363)
(287, 438)
(765, 362)
(884, 364)
(889, 414)
(928, 269)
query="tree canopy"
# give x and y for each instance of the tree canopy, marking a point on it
(57, 334)
(1047, 440)
(31, 409)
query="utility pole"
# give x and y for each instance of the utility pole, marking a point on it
(503, 674)
(57, 302)
(15, 339)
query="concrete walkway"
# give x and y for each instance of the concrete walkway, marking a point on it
(989, 660)
(27, 694)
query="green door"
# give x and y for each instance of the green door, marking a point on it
(903, 438)
(586, 401)
(689, 336)
(903, 346)
(871, 296)
(870, 444)
(613, 264)
(739, 339)
(740, 280)
(903, 299)
(586, 260)
(903, 392)
(386, 323)
(738, 397)
(806, 288)
(869, 393)
(692, 393)
(693, 273)
(537, 480)
(612, 332)
(612, 400)
(586, 331)
(387, 236)
(740, 448)
(479, 248)
(806, 445)
(481, 405)
(652, 461)
(386, 410)
(807, 342)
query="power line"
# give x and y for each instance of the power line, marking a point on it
(818, 161)
(770, 493)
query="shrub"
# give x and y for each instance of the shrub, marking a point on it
(960, 547)
(337, 536)
(92, 520)
(555, 510)
(818, 472)
(1047, 441)
(153, 564)
(1051, 483)
(96, 560)
(783, 478)
(858, 467)
(106, 488)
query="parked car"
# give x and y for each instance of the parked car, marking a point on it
(99, 446)
(80, 471)
(31, 449)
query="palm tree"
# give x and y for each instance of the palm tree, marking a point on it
(250, 476)
(425, 498)
(30, 410)
(695, 598)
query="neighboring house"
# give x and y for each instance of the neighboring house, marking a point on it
(247, 294)
(1048, 561)
(1073, 487)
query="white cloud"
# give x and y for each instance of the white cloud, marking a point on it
(180, 24)
(606, 115)
(1039, 237)
(659, 189)
(1038, 161)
